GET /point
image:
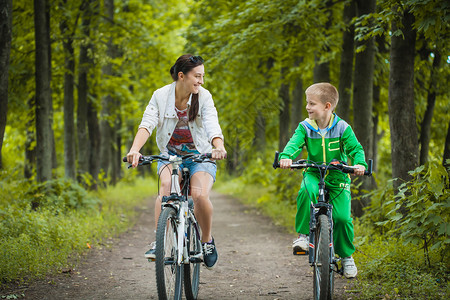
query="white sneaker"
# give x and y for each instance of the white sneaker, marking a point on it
(301, 245)
(349, 266)
(150, 254)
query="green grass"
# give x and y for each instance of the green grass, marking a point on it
(389, 268)
(67, 222)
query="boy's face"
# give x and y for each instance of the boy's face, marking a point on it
(316, 109)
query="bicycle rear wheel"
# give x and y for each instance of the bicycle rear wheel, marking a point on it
(169, 275)
(322, 262)
(192, 270)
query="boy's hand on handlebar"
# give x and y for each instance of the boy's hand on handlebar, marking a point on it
(133, 158)
(285, 163)
(219, 153)
(359, 171)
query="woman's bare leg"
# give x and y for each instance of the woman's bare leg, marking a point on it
(201, 185)
(165, 177)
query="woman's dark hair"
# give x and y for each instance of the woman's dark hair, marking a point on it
(184, 64)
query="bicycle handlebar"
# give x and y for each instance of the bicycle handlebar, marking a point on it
(333, 165)
(148, 159)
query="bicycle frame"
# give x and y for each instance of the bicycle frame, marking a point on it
(322, 207)
(178, 240)
(178, 199)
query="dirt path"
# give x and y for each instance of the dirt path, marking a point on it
(255, 262)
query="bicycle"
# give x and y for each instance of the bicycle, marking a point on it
(178, 250)
(321, 247)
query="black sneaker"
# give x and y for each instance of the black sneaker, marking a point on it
(209, 254)
(150, 254)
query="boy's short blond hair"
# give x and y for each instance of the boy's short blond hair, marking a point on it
(326, 93)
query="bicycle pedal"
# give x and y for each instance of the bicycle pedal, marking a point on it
(301, 252)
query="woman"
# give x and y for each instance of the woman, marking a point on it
(185, 117)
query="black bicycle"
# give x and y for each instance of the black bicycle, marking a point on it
(321, 247)
(178, 237)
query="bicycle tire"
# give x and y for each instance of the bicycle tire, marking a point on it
(332, 268)
(192, 270)
(322, 263)
(169, 275)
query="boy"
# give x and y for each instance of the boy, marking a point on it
(326, 137)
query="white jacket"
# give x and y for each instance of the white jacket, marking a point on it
(160, 113)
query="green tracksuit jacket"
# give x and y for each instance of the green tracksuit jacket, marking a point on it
(339, 142)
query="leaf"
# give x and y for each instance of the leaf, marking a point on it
(396, 217)
(444, 229)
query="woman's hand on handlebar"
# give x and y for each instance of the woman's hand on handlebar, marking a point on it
(285, 163)
(133, 158)
(219, 153)
(359, 170)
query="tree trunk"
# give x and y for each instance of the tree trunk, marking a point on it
(43, 93)
(106, 128)
(297, 102)
(446, 155)
(69, 123)
(431, 100)
(402, 117)
(284, 116)
(321, 72)
(83, 148)
(346, 68)
(375, 118)
(54, 161)
(382, 49)
(259, 142)
(116, 158)
(30, 142)
(363, 100)
(5, 49)
(94, 140)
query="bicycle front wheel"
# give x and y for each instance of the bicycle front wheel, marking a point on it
(192, 270)
(322, 262)
(169, 275)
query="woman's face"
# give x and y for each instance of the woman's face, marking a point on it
(194, 79)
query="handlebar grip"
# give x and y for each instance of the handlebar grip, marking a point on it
(275, 161)
(125, 159)
(369, 168)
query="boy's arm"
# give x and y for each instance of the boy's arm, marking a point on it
(295, 144)
(353, 148)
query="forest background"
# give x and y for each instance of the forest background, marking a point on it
(77, 75)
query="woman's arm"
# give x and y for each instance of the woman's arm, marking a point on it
(141, 137)
(219, 151)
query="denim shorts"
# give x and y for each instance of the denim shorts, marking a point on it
(207, 166)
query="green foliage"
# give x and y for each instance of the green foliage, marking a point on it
(60, 194)
(427, 202)
(66, 222)
(390, 269)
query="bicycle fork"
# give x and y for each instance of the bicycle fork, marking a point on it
(183, 255)
(316, 210)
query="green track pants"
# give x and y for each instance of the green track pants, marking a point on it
(340, 199)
